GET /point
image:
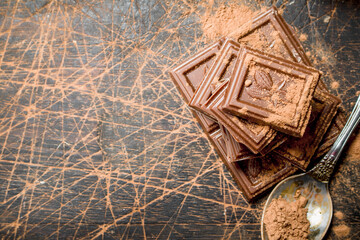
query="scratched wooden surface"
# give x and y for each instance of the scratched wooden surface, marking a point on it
(97, 143)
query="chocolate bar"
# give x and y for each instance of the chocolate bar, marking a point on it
(271, 91)
(299, 151)
(188, 76)
(268, 32)
(186, 81)
(219, 72)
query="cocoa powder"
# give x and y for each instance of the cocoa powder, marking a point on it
(225, 20)
(287, 220)
(341, 230)
(354, 149)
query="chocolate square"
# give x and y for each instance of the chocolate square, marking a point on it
(299, 151)
(188, 76)
(268, 32)
(270, 90)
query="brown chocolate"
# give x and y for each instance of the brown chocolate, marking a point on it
(268, 32)
(242, 172)
(279, 94)
(252, 135)
(220, 71)
(255, 137)
(299, 151)
(188, 76)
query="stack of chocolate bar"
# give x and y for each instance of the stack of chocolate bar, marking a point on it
(262, 105)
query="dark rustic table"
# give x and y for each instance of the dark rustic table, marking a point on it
(96, 141)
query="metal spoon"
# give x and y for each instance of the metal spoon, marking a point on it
(314, 184)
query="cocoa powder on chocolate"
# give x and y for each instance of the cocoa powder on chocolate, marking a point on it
(287, 220)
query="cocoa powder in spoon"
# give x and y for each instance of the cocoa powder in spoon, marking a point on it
(287, 220)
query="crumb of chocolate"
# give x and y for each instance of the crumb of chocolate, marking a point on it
(248, 83)
(341, 230)
(303, 37)
(326, 19)
(335, 85)
(287, 220)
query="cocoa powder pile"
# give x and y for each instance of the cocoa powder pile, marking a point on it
(287, 220)
(225, 20)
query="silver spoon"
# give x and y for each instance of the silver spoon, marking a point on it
(314, 184)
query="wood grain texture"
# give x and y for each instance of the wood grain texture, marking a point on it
(97, 143)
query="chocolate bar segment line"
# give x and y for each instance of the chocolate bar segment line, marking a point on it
(270, 90)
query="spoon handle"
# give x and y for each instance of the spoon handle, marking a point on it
(324, 169)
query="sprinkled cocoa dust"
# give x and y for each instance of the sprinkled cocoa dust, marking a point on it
(354, 149)
(341, 230)
(335, 85)
(303, 37)
(339, 215)
(225, 20)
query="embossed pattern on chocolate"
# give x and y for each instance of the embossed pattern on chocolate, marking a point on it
(272, 91)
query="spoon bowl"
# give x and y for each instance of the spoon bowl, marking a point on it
(319, 203)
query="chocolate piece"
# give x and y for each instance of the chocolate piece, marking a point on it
(255, 137)
(220, 71)
(279, 94)
(252, 186)
(259, 174)
(235, 150)
(188, 76)
(331, 135)
(299, 151)
(253, 176)
(268, 32)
